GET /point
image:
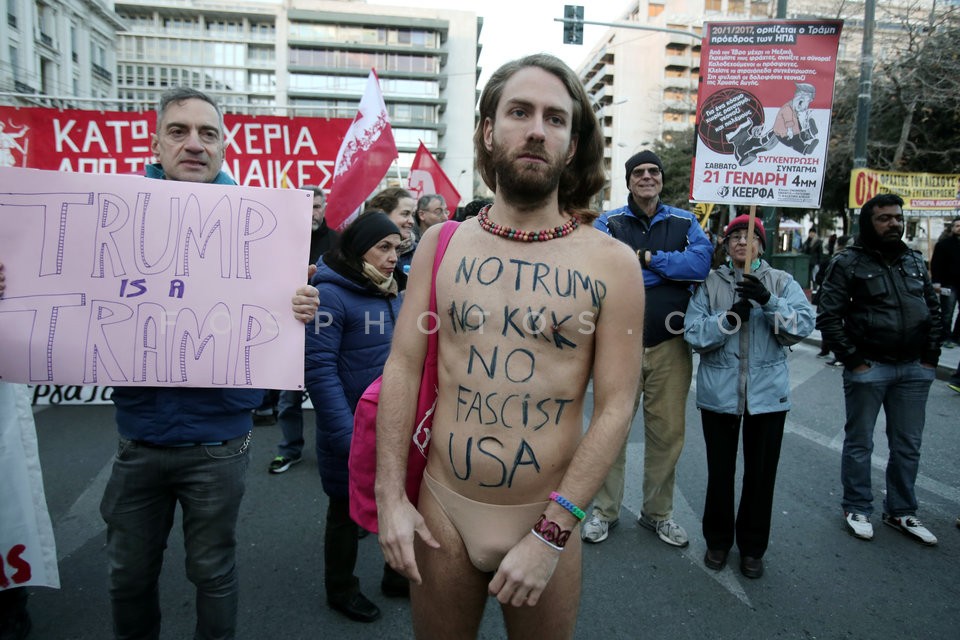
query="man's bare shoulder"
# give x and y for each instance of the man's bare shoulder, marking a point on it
(610, 248)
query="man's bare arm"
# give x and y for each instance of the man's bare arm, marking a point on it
(398, 520)
(618, 352)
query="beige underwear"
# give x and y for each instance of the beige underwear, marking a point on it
(488, 531)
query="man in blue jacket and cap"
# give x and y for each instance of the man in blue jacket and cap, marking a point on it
(675, 253)
(181, 445)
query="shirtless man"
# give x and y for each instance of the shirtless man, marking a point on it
(523, 326)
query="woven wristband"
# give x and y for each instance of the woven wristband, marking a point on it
(550, 533)
(569, 506)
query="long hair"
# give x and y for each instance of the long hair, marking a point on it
(584, 176)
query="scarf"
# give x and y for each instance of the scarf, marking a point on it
(386, 284)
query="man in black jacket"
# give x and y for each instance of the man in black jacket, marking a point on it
(945, 271)
(880, 315)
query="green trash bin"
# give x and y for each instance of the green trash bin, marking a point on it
(796, 264)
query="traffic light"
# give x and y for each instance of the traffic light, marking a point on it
(572, 24)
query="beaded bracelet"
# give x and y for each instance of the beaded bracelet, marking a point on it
(550, 533)
(569, 506)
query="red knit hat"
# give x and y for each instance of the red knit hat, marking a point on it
(743, 222)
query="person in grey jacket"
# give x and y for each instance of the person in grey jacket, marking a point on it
(741, 325)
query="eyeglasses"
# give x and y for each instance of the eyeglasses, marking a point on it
(639, 171)
(738, 238)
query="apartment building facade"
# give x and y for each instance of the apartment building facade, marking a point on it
(52, 51)
(271, 57)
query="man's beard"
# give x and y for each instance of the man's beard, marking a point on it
(316, 224)
(522, 182)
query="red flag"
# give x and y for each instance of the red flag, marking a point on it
(365, 156)
(426, 178)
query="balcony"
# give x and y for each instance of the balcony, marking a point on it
(101, 72)
(23, 87)
(45, 39)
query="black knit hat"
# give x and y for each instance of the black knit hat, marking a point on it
(644, 157)
(366, 231)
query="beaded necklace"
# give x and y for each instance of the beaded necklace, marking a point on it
(509, 233)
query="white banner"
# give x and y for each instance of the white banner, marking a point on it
(28, 553)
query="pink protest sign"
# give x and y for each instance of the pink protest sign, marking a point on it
(126, 281)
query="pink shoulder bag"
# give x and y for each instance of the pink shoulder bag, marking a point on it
(363, 446)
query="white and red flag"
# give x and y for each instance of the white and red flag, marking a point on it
(427, 178)
(366, 154)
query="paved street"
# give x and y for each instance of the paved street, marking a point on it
(820, 582)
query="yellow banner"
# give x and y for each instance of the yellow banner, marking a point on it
(920, 191)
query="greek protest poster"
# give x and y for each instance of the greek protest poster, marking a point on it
(127, 281)
(934, 192)
(260, 150)
(763, 112)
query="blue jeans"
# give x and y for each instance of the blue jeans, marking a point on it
(138, 506)
(290, 417)
(901, 389)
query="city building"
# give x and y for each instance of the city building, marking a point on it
(54, 51)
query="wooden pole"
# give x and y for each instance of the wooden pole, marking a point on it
(751, 223)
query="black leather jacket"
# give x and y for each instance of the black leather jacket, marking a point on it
(872, 309)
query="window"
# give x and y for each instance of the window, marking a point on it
(735, 6)
(759, 9)
(712, 5)
(15, 62)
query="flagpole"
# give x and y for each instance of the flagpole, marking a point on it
(399, 177)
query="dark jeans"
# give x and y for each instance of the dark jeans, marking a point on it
(138, 505)
(762, 436)
(290, 418)
(340, 550)
(901, 390)
(340, 544)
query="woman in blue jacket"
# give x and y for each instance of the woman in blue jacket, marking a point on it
(741, 325)
(346, 349)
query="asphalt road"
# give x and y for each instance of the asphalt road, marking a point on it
(820, 582)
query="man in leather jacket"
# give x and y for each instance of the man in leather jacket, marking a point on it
(880, 315)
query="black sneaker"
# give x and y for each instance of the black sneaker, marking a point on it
(281, 464)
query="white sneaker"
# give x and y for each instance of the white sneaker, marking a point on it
(911, 526)
(859, 525)
(596, 530)
(667, 530)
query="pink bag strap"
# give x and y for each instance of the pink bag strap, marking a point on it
(446, 232)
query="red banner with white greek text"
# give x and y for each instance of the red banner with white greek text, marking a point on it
(260, 150)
